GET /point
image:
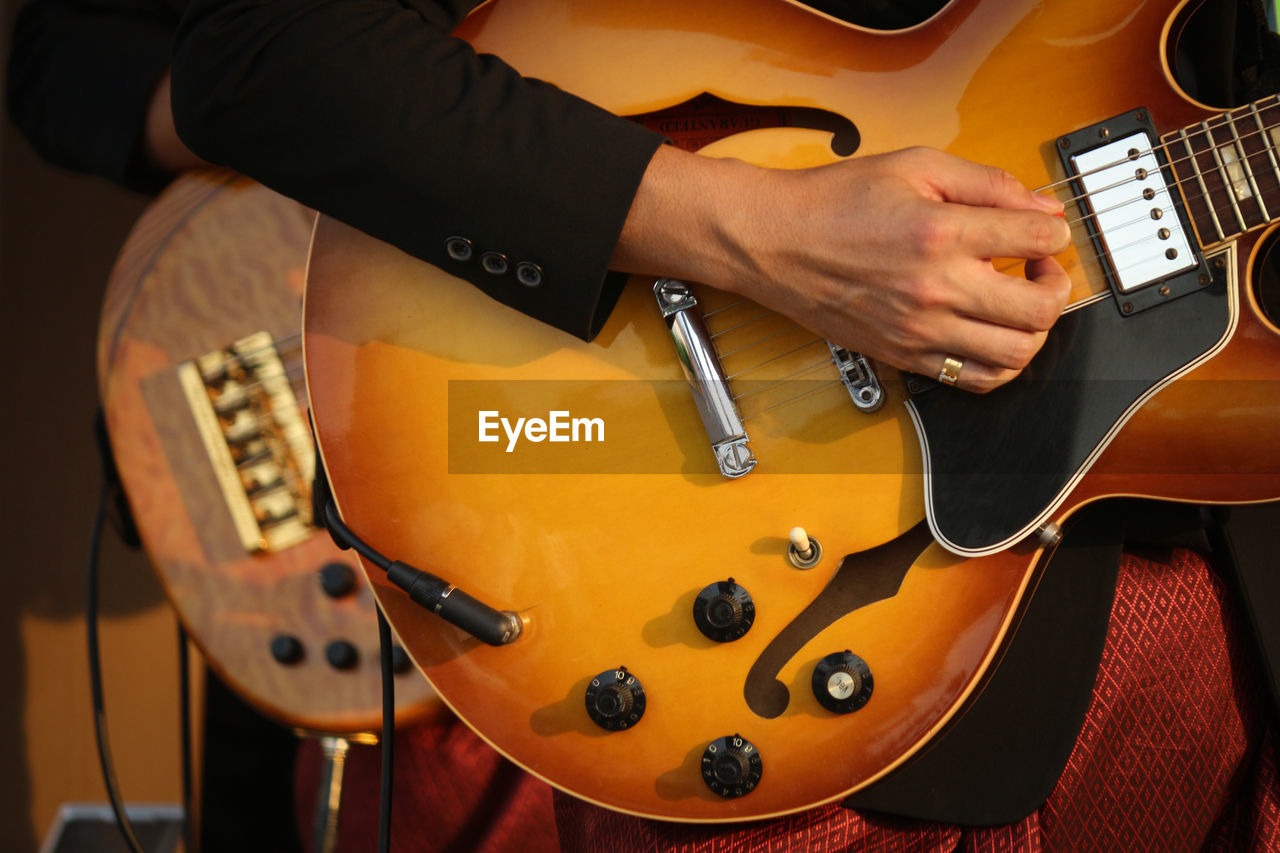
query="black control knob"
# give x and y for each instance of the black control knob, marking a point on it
(337, 579)
(724, 611)
(615, 699)
(341, 655)
(731, 766)
(286, 649)
(842, 682)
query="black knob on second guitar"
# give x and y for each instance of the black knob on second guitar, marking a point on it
(615, 699)
(724, 611)
(842, 682)
(731, 766)
(337, 579)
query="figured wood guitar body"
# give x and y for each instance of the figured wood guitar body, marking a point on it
(213, 260)
(604, 547)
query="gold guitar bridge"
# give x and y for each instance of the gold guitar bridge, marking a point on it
(251, 425)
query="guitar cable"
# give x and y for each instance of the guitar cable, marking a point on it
(111, 495)
(95, 674)
(495, 627)
(387, 746)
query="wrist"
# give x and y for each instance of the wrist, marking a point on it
(688, 219)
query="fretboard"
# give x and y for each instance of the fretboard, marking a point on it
(1228, 169)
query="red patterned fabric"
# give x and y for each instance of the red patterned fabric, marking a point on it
(1172, 755)
(452, 793)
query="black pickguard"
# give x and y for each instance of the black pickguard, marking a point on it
(996, 462)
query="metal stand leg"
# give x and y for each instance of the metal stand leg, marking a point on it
(329, 793)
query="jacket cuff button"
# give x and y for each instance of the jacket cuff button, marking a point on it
(459, 248)
(494, 263)
(528, 274)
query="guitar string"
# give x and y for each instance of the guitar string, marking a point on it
(1205, 129)
(1262, 191)
(1224, 121)
(1183, 183)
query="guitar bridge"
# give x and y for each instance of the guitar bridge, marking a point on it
(251, 425)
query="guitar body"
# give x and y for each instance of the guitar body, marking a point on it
(216, 258)
(603, 547)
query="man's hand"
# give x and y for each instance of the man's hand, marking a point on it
(888, 255)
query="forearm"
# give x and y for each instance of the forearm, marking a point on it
(368, 111)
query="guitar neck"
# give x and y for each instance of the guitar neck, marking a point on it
(1228, 167)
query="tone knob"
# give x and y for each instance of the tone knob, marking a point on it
(341, 655)
(724, 611)
(615, 699)
(842, 682)
(286, 649)
(337, 579)
(731, 766)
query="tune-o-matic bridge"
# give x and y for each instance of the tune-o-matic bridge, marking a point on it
(252, 429)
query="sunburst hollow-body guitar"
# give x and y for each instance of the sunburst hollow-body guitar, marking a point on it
(680, 656)
(198, 360)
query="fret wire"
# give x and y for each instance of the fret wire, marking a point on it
(1226, 179)
(826, 362)
(1213, 216)
(1151, 150)
(1267, 142)
(761, 364)
(1248, 169)
(791, 400)
(1103, 167)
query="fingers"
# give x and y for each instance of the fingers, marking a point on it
(965, 182)
(993, 354)
(1030, 304)
(997, 233)
(971, 374)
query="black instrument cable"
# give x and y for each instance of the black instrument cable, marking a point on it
(387, 746)
(111, 498)
(95, 674)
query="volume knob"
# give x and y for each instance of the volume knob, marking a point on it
(731, 766)
(615, 699)
(724, 611)
(842, 682)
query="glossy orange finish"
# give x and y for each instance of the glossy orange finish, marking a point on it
(604, 562)
(215, 258)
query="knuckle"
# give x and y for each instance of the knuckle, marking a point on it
(935, 235)
(1023, 349)
(1046, 313)
(1044, 235)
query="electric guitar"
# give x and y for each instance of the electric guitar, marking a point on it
(199, 362)
(680, 655)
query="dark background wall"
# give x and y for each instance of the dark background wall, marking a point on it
(58, 237)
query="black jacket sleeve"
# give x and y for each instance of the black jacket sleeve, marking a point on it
(369, 111)
(81, 74)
